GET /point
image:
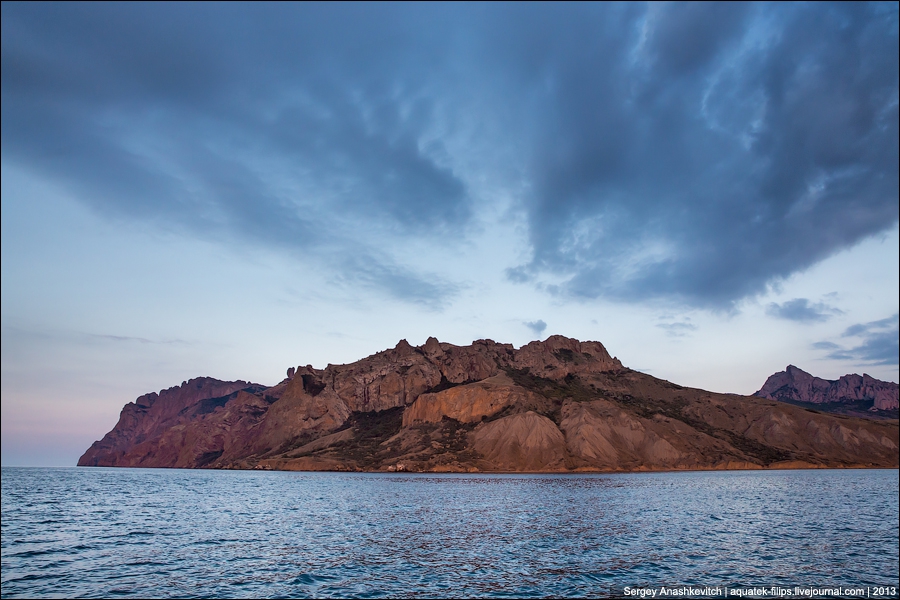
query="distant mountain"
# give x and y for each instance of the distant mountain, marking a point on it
(558, 405)
(859, 395)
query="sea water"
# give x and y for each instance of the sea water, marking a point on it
(97, 532)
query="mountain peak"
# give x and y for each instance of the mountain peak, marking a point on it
(850, 394)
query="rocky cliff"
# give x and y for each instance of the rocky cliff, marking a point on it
(150, 418)
(851, 394)
(557, 405)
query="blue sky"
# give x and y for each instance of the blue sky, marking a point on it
(228, 190)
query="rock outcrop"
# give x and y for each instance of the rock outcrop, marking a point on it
(850, 391)
(467, 403)
(557, 405)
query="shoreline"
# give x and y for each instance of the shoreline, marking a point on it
(585, 471)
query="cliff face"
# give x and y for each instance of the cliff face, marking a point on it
(153, 415)
(853, 391)
(557, 405)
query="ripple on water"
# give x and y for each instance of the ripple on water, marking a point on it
(167, 533)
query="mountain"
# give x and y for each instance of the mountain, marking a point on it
(851, 394)
(558, 405)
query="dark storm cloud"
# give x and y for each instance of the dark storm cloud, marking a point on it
(802, 311)
(878, 343)
(695, 152)
(698, 158)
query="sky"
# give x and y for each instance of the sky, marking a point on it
(228, 190)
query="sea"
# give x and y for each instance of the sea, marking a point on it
(159, 533)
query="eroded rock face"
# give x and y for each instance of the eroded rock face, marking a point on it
(523, 442)
(559, 356)
(556, 405)
(605, 436)
(153, 414)
(797, 385)
(199, 443)
(468, 403)
(397, 377)
(312, 402)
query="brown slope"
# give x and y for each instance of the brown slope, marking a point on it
(763, 432)
(522, 442)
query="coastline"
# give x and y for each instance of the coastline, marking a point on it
(783, 466)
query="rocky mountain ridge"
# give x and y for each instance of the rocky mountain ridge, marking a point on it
(556, 405)
(851, 394)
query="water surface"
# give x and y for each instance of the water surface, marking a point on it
(91, 532)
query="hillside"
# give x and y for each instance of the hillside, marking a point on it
(558, 405)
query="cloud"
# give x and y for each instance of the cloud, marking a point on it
(518, 275)
(694, 153)
(286, 139)
(27, 333)
(678, 328)
(877, 343)
(429, 291)
(703, 174)
(128, 338)
(802, 311)
(537, 327)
